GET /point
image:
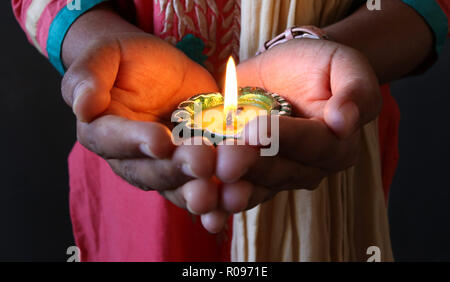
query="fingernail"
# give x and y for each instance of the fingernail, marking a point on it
(187, 170)
(188, 197)
(78, 92)
(145, 149)
(207, 142)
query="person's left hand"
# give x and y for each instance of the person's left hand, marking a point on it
(334, 93)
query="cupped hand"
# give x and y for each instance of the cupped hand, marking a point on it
(123, 90)
(333, 91)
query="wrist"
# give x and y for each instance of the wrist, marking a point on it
(394, 47)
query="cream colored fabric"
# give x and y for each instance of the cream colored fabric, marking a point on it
(346, 214)
(261, 20)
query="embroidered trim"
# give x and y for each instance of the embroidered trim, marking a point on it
(59, 28)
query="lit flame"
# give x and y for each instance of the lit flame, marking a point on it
(231, 93)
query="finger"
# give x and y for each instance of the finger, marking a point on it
(187, 162)
(356, 97)
(196, 161)
(278, 173)
(199, 196)
(307, 141)
(149, 174)
(261, 194)
(244, 195)
(214, 221)
(87, 84)
(114, 137)
(233, 162)
(235, 196)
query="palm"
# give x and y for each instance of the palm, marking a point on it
(152, 78)
(330, 86)
(310, 73)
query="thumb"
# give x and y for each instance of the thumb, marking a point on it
(343, 117)
(356, 97)
(87, 84)
(349, 109)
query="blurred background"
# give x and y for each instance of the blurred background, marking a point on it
(38, 131)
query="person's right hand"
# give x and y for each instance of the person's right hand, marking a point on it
(123, 89)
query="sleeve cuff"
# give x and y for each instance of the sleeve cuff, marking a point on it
(435, 17)
(59, 28)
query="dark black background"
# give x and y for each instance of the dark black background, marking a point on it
(37, 133)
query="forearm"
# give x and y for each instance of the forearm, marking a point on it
(396, 40)
(98, 22)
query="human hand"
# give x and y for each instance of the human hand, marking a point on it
(123, 89)
(333, 91)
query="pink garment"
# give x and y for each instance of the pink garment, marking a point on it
(114, 221)
(43, 19)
